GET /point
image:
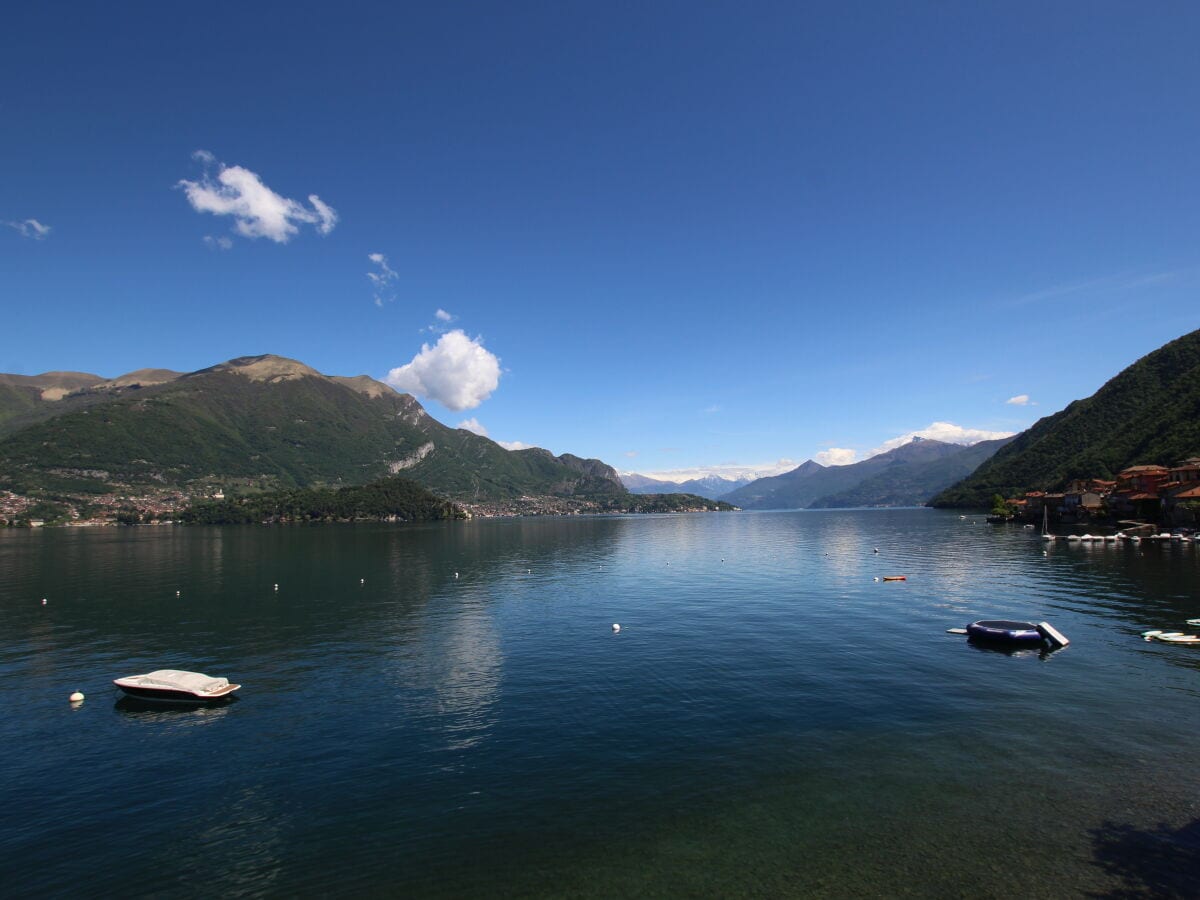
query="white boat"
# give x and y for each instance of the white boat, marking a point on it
(1046, 535)
(176, 686)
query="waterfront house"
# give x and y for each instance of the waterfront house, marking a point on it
(1136, 492)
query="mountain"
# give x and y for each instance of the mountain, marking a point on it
(1148, 413)
(262, 422)
(712, 487)
(791, 490)
(911, 482)
(644, 484)
(26, 399)
(905, 476)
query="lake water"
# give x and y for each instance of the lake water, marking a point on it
(445, 710)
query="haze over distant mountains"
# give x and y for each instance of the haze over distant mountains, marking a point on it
(906, 476)
(713, 487)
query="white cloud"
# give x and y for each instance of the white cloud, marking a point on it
(631, 453)
(941, 431)
(31, 228)
(458, 372)
(222, 242)
(514, 445)
(710, 410)
(1019, 400)
(474, 426)
(383, 280)
(836, 456)
(257, 210)
(327, 215)
(443, 319)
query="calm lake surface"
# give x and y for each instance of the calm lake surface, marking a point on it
(464, 722)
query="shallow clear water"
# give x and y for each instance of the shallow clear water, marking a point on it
(770, 719)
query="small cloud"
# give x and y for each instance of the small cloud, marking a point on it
(710, 410)
(514, 445)
(474, 426)
(458, 372)
(327, 216)
(256, 209)
(443, 318)
(631, 453)
(1104, 285)
(221, 242)
(836, 456)
(31, 228)
(941, 431)
(383, 280)
(1019, 400)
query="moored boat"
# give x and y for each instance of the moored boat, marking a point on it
(176, 686)
(1004, 631)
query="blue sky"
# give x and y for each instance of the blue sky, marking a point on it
(673, 236)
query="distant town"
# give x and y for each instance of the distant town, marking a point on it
(163, 507)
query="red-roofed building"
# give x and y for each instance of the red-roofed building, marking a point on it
(1136, 492)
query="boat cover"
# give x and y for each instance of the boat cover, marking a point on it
(176, 679)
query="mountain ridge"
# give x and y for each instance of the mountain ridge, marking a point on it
(904, 476)
(270, 422)
(1149, 412)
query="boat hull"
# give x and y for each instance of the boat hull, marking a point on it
(1002, 631)
(155, 695)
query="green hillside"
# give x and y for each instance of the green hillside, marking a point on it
(275, 423)
(389, 498)
(1149, 413)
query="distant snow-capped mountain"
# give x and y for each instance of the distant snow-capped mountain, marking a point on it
(711, 487)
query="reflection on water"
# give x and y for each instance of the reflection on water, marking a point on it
(150, 712)
(445, 710)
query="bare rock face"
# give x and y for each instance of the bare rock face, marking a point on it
(53, 385)
(267, 368)
(365, 384)
(141, 378)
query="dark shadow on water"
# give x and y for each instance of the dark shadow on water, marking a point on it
(1041, 651)
(1154, 862)
(149, 711)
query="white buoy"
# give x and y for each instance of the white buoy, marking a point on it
(876, 578)
(177, 593)
(362, 581)
(43, 601)
(276, 587)
(76, 697)
(616, 627)
(876, 549)
(455, 574)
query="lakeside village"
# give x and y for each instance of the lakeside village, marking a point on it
(163, 507)
(1146, 497)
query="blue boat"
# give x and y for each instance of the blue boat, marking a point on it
(1003, 631)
